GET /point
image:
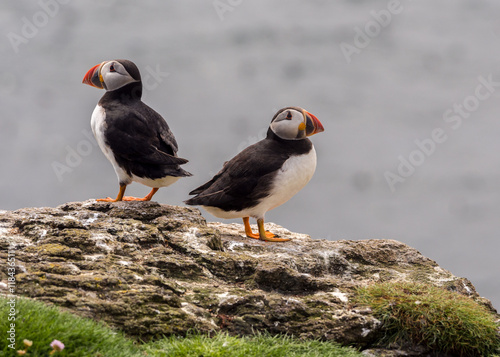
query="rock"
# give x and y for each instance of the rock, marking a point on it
(153, 270)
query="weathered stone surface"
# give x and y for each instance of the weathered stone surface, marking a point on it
(154, 270)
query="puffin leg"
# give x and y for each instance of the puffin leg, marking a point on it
(268, 236)
(118, 198)
(248, 229)
(145, 198)
(150, 195)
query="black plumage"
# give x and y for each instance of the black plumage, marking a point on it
(139, 137)
(247, 178)
(264, 175)
(134, 137)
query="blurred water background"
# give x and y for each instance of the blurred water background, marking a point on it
(378, 74)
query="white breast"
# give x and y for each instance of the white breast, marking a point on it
(98, 125)
(295, 173)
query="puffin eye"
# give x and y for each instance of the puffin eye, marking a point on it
(112, 68)
(289, 116)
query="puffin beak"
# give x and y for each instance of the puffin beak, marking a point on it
(313, 125)
(92, 78)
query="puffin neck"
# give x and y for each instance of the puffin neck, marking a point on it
(296, 146)
(128, 93)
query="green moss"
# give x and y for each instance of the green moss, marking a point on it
(421, 274)
(55, 268)
(203, 297)
(56, 250)
(315, 308)
(422, 314)
(229, 267)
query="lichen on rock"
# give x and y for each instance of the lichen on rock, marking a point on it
(152, 270)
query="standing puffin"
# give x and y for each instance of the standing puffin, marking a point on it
(264, 175)
(134, 137)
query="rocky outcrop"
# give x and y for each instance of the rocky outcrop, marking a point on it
(153, 270)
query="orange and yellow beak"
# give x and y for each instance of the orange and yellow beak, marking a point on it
(93, 77)
(313, 125)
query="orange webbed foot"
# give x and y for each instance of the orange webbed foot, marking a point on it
(121, 196)
(130, 198)
(148, 197)
(107, 199)
(257, 236)
(263, 234)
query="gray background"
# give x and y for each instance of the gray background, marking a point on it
(229, 73)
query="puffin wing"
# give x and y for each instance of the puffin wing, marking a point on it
(143, 137)
(243, 180)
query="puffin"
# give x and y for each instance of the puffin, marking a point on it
(134, 138)
(265, 174)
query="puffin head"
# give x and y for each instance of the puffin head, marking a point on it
(295, 123)
(112, 75)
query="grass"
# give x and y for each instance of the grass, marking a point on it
(42, 324)
(445, 321)
(260, 345)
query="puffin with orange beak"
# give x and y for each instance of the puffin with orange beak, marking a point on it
(133, 137)
(264, 175)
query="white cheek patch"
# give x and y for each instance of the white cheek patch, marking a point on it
(286, 129)
(115, 80)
